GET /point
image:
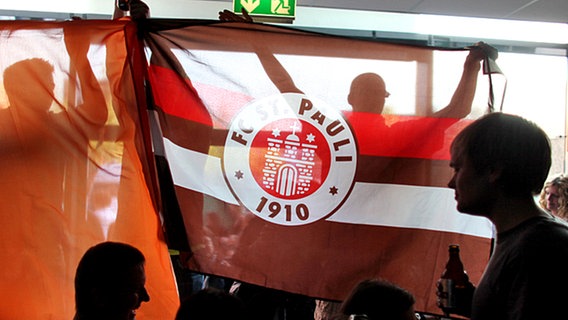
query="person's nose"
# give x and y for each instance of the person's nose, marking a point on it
(550, 197)
(144, 296)
(452, 183)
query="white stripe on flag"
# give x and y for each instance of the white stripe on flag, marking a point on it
(404, 206)
(392, 205)
(197, 171)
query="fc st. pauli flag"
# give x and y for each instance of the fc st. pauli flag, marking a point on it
(290, 169)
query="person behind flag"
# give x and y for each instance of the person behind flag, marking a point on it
(368, 90)
(367, 95)
(500, 162)
(554, 197)
(110, 282)
(375, 135)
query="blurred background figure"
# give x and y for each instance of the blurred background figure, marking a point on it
(554, 197)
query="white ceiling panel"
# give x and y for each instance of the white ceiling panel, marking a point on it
(543, 10)
(476, 8)
(530, 10)
(383, 5)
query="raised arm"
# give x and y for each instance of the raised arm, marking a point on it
(276, 72)
(93, 109)
(273, 68)
(462, 99)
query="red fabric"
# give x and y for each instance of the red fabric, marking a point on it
(206, 77)
(177, 96)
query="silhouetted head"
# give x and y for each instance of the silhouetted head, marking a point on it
(368, 93)
(29, 84)
(513, 147)
(109, 282)
(379, 300)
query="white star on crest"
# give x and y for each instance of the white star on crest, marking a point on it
(311, 138)
(276, 132)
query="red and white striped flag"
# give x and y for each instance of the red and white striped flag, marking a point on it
(283, 181)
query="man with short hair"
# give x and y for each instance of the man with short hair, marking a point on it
(109, 282)
(500, 163)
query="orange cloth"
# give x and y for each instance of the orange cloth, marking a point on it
(72, 166)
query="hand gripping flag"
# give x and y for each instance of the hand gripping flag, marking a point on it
(306, 163)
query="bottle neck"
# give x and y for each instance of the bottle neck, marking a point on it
(454, 268)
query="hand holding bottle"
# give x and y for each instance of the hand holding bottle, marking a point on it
(454, 290)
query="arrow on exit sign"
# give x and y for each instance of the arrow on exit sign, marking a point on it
(274, 8)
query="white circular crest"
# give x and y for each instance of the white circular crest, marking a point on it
(290, 159)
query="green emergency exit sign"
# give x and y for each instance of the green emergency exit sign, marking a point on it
(267, 8)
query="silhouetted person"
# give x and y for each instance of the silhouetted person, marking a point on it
(368, 93)
(368, 90)
(29, 100)
(110, 282)
(500, 163)
(367, 96)
(46, 154)
(52, 138)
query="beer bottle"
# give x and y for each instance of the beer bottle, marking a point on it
(453, 279)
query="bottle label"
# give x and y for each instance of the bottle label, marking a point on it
(447, 296)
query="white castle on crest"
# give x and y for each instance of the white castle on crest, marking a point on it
(289, 164)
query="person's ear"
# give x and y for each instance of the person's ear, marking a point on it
(100, 298)
(495, 174)
(96, 297)
(349, 99)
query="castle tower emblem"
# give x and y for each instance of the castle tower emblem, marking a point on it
(290, 160)
(289, 163)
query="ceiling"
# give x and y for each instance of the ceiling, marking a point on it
(527, 10)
